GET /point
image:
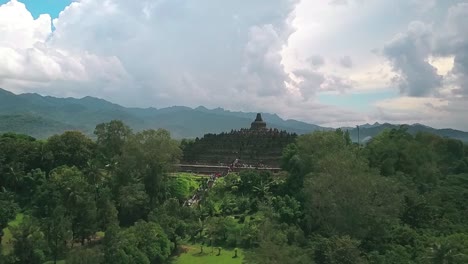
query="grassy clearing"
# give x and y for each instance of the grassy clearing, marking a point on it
(58, 262)
(7, 246)
(192, 255)
(189, 174)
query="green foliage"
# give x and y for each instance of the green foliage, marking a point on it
(275, 247)
(132, 203)
(193, 256)
(111, 138)
(29, 242)
(74, 195)
(399, 199)
(19, 155)
(8, 209)
(7, 239)
(287, 209)
(145, 242)
(182, 186)
(59, 232)
(340, 203)
(177, 221)
(72, 148)
(147, 157)
(450, 249)
(337, 250)
(85, 256)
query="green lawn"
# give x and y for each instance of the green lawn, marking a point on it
(6, 240)
(193, 256)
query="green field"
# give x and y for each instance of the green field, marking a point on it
(192, 256)
(6, 240)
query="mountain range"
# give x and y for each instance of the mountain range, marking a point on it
(43, 116)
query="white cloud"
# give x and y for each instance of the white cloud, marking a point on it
(346, 62)
(409, 53)
(18, 28)
(443, 65)
(28, 59)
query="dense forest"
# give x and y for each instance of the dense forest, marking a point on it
(401, 198)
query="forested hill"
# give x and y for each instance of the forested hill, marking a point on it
(43, 116)
(367, 131)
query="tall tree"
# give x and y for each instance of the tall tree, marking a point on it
(147, 157)
(77, 196)
(111, 138)
(72, 148)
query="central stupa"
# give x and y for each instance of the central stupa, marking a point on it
(258, 124)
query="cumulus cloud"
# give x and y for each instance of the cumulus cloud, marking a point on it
(316, 61)
(409, 52)
(263, 72)
(346, 62)
(182, 52)
(453, 41)
(28, 59)
(312, 82)
(338, 2)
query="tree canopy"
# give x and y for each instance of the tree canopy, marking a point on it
(400, 198)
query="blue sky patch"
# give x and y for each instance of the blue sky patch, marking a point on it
(357, 101)
(38, 7)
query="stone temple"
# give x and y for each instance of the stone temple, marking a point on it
(258, 124)
(255, 145)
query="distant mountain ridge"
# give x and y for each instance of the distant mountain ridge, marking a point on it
(43, 116)
(366, 131)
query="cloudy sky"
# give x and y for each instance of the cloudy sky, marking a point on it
(328, 62)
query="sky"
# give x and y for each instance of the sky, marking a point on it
(327, 62)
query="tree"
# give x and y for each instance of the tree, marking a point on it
(132, 204)
(274, 247)
(147, 158)
(452, 249)
(177, 221)
(85, 256)
(287, 209)
(107, 213)
(339, 203)
(59, 232)
(337, 250)
(72, 148)
(340, 189)
(77, 197)
(29, 245)
(19, 154)
(29, 185)
(111, 138)
(8, 209)
(347, 138)
(145, 242)
(302, 158)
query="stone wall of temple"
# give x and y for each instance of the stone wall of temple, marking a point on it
(251, 146)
